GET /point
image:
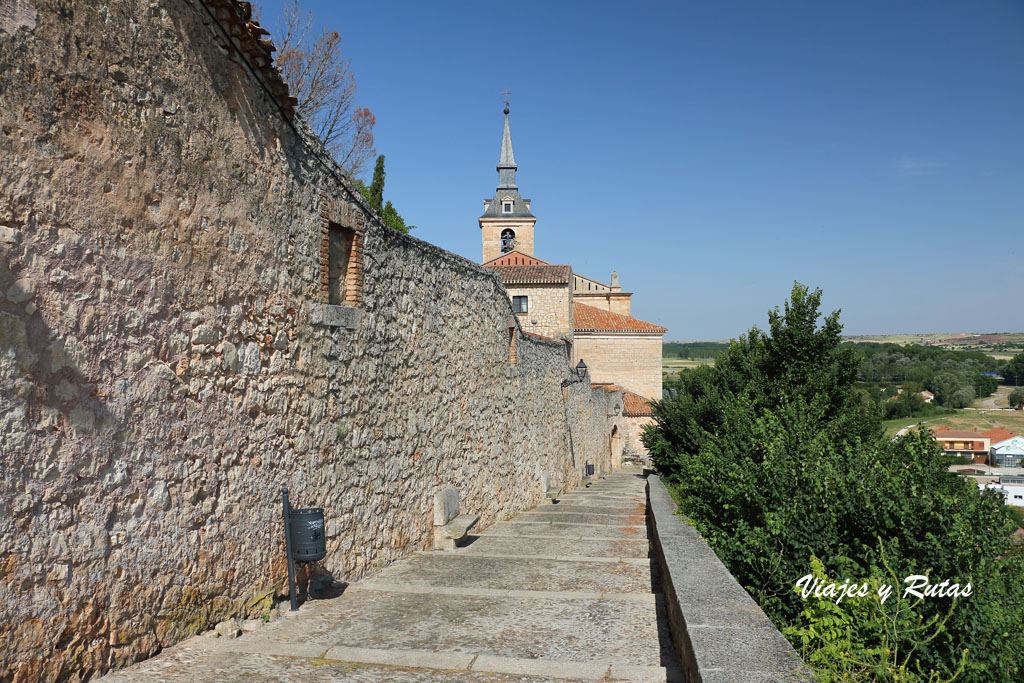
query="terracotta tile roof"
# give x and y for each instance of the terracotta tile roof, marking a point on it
(590, 319)
(634, 405)
(516, 258)
(251, 40)
(998, 434)
(533, 275)
(959, 434)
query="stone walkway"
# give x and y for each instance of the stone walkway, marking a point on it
(561, 592)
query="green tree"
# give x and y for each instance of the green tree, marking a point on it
(1017, 397)
(1014, 370)
(776, 458)
(376, 193)
(944, 385)
(962, 397)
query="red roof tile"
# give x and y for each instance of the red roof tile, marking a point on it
(998, 434)
(533, 275)
(516, 258)
(591, 319)
(634, 405)
(959, 434)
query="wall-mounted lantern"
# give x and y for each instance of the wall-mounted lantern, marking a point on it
(581, 370)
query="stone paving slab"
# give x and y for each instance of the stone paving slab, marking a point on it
(562, 530)
(563, 599)
(555, 515)
(523, 545)
(230, 667)
(617, 508)
(581, 630)
(601, 499)
(471, 571)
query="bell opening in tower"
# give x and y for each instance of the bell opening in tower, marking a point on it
(508, 240)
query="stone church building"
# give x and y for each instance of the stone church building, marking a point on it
(591, 318)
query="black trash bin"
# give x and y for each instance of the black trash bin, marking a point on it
(309, 542)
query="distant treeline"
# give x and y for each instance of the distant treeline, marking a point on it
(916, 363)
(953, 376)
(693, 350)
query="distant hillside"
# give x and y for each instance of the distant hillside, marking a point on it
(698, 350)
(1000, 345)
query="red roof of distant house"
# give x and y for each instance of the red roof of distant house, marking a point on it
(591, 319)
(516, 258)
(926, 394)
(998, 434)
(958, 434)
(533, 275)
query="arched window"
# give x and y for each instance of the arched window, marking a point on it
(508, 240)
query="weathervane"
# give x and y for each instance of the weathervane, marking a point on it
(506, 93)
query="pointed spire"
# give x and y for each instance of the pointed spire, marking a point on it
(507, 202)
(507, 160)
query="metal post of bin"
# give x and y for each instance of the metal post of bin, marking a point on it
(288, 549)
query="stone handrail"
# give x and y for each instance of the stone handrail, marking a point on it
(720, 632)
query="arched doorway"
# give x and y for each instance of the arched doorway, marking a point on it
(616, 448)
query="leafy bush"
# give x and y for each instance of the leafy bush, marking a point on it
(776, 457)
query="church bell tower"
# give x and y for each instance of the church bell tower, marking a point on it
(506, 224)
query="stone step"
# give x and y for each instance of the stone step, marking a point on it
(463, 570)
(563, 530)
(569, 517)
(536, 626)
(237, 661)
(521, 545)
(594, 507)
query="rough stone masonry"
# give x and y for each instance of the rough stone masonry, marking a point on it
(170, 358)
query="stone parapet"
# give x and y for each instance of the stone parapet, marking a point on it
(720, 632)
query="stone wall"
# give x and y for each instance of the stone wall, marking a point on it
(630, 360)
(168, 361)
(549, 309)
(633, 429)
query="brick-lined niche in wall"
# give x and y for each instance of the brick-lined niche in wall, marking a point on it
(341, 265)
(339, 253)
(512, 331)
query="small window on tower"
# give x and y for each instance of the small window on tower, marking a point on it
(506, 207)
(519, 304)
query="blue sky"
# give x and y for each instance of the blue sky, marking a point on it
(714, 152)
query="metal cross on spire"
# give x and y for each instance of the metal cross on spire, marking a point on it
(506, 92)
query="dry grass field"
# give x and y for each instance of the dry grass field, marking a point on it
(673, 365)
(1003, 345)
(982, 420)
